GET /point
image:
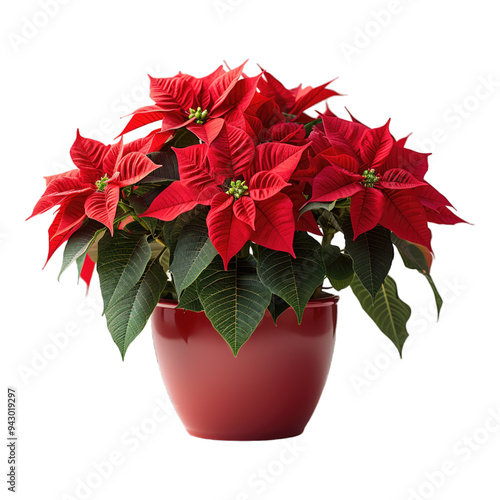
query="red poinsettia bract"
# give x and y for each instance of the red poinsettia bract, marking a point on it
(246, 205)
(383, 179)
(93, 189)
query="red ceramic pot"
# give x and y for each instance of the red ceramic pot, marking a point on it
(268, 391)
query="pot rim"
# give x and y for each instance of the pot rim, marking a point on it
(319, 302)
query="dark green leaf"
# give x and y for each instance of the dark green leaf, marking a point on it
(309, 126)
(189, 299)
(294, 280)
(414, 258)
(277, 307)
(79, 243)
(169, 170)
(338, 267)
(164, 259)
(127, 316)
(79, 265)
(328, 221)
(172, 230)
(234, 300)
(388, 311)
(121, 262)
(183, 138)
(317, 205)
(372, 253)
(140, 206)
(169, 291)
(193, 252)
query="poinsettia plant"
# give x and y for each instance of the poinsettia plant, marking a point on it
(240, 202)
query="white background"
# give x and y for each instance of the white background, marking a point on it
(383, 427)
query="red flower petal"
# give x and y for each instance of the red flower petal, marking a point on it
(238, 98)
(411, 161)
(226, 231)
(306, 222)
(333, 183)
(222, 86)
(175, 200)
(204, 94)
(101, 206)
(72, 213)
(431, 197)
(443, 215)
(69, 173)
(113, 156)
(397, 178)
(343, 161)
(343, 135)
(263, 185)
(143, 116)
(290, 133)
(232, 152)
(281, 159)
(309, 96)
(172, 93)
(87, 271)
(366, 210)
(193, 168)
(244, 209)
(209, 131)
(376, 144)
(275, 224)
(133, 168)
(59, 190)
(57, 238)
(145, 144)
(404, 215)
(158, 140)
(271, 87)
(88, 156)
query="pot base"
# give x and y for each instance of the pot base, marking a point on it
(242, 437)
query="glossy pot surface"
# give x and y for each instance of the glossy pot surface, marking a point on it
(268, 391)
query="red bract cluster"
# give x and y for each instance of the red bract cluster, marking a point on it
(252, 131)
(93, 189)
(383, 179)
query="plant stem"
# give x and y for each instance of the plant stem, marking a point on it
(328, 237)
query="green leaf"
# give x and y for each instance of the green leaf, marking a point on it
(140, 206)
(136, 228)
(189, 299)
(414, 258)
(169, 170)
(388, 311)
(193, 252)
(328, 221)
(183, 138)
(169, 291)
(127, 316)
(172, 230)
(372, 254)
(317, 205)
(79, 265)
(79, 243)
(294, 280)
(338, 267)
(121, 262)
(234, 300)
(277, 307)
(309, 126)
(164, 259)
